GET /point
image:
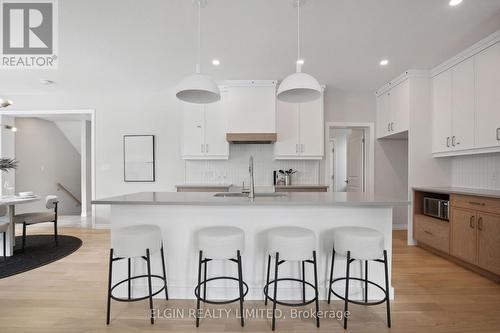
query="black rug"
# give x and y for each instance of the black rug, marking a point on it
(40, 250)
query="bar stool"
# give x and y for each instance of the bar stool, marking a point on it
(220, 243)
(291, 244)
(138, 241)
(357, 243)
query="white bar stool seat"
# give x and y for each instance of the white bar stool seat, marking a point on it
(220, 243)
(365, 244)
(137, 241)
(291, 244)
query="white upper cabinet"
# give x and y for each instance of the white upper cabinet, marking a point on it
(441, 115)
(462, 103)
(251, 108)
(393, 110)
(300, 129)
(204, 130)
(488, 97)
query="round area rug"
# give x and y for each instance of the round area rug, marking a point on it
(40, 250)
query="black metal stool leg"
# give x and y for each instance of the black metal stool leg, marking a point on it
(199, 290)
(164, 272)
(55, 234)
(316, 288)
(388, 301)
(346, 301)
(150, 287)
(129, 264)
(205, 279)
(331, 276)
(4, 247)
(275, 289)
(366, 280)
(240, 282)
(109, 285)
(24, 236)
(267, 280)
(303, 281)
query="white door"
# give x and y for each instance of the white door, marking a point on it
(193, 128)
(311, 127)
(287, 125)
(400, 107)
(383, 115)
(441, 112)
(463, 93)
(488, 97)
(355, 161)
(216, 145)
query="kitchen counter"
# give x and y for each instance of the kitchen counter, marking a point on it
(203, 187)
(295, 199)
(460, 190)
(301, 188)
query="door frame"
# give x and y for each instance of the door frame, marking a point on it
(91, 112)
(369, 175)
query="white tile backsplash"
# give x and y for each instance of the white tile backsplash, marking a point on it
(235, 170)
(476, 171)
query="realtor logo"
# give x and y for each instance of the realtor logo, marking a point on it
(29, 34)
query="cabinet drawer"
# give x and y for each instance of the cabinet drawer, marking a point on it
(489, 205)
(432, 232)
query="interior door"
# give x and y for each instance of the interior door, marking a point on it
(441, 112)
(463, 93)
(463, 234)
(287, 124)
(216, 145)
(193, 127)
(488, 97)
(311, 128)
(489, 242)
(355, 161)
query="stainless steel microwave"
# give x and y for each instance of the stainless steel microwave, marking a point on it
(436, 208)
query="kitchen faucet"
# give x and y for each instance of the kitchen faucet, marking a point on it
(251, 194)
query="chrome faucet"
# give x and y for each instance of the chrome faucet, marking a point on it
(251, 194)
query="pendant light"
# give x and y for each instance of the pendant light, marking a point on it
(299, 87)
(5, 103)
(198, 88)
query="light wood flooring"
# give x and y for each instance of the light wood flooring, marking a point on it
(432, 295)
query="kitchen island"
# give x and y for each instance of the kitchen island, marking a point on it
(181, 215)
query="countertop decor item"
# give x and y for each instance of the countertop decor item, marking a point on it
(198, 88)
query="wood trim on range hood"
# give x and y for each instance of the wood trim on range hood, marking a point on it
(255, 138)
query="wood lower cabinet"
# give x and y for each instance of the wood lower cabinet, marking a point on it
(464, 234)
(488, 226)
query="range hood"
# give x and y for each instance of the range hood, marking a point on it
(251, 138)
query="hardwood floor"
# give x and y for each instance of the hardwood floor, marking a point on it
(432, 295)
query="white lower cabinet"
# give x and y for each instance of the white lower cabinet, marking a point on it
(204, 131)
(300, 129)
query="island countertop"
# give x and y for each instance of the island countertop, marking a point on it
(348, 199)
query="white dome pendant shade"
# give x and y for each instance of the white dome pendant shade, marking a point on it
(198, 88)
(299, 87)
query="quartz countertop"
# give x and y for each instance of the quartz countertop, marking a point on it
(301, 186)
(297, 198)
(204, 185)
(460, 190)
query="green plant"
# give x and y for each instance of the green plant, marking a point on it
(7, 164)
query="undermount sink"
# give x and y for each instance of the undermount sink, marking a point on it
(245, 195)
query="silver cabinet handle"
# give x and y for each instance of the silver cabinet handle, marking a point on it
(392, 127)
(453, 140)
(207, 147)
(448, 141)
(201, 149)
(388, 127)
(498, 134)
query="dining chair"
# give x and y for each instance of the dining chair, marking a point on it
(26, 219)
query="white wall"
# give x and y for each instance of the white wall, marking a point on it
(46, 158)
(7, 150)
(476, 171)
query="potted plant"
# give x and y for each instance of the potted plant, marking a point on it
(7, 164)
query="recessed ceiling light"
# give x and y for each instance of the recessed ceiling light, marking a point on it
(47, 82)
(455, 2)
(384, 62)
(216, 62)
(300, 62)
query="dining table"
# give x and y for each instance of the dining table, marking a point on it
(11, 201)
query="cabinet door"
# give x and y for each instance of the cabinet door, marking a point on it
(383, 115)
(489, 242)
(216, 145)
(400, 107)
(488, 97)
(311, 129)
(193, 127)
(441, 112)
(287, 124)
(463, 93)
(463, 234)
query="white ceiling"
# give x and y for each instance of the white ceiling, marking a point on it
(129, 45)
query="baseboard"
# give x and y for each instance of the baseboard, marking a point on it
(102, 226)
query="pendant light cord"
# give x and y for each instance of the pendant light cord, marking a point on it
(298, 30)
(198, 65)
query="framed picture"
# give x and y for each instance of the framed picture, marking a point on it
(139, 158)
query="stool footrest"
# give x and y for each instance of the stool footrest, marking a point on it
(121, 299)
(266, 288)
(360, 302)
(204, 283)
